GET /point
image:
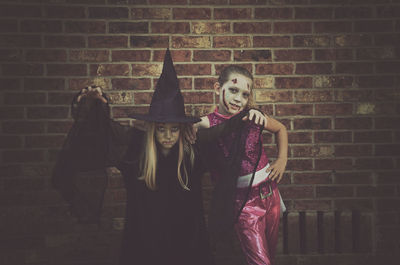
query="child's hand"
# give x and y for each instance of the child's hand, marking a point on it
(92, 92)
(277, 169)
(257, 117)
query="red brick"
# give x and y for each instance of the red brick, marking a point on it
(271, 95)
(171, 2)
(313, 13)
(24, 156)
(292, 27)
(89, 55)
(312, 178)
(44, 84)
(312, 124)
(332, 27)
(294, 109)
(292, 55)
(273, 13)
(191, 13)
(131, 83)
(65, 12)
(293, 82)
(354, 68)
(108, 12)
(146, 69)
(311, 41)
(8, 55)
(211, 27)
(299, 164)
(63, 98)
(67, 69)
(10, 142)
(170, 27)
(209, 2)
(387, 123)
(333, 164)
(333, 81)
(275, 69)
(142, 98)
(85, 27)
(353, 123)
(252, 55)
(387, 150)
(149, 41)
(46, 55)
(353, 12)
(380, 191)
(185, 83)
(354, 204)
(373, 26)
(299, 137)
(47, 112)
(373, 137)
(313, 68)
(128, 27)
(253, 27)
(47, 141)
(353, 150)
(295, 192)
(22, 11)
(64, 41)
(8, 113)
(271, 41)
(177, 55)
(313, 96)
(333, 54)
(334, 191)
(353, 40)
(374, 163)
(376, 81)
(388, 11)
(388, 67)
(204, 83)
(22, 69)
(232, 42)
(108, 41)
(376, 53)
(198, 97)
(13, 41)
(8, 25)
(354, 95)
(247, 2)
(211, 55)
(59, 126)
(232, 13)
(26, 99)
(151, 13)
(220, 67)
(48, 26)
(130, 56)
(320, 205)
(353, 178)
(109, 70)
(332, 137)
(193, 69)
(387, 177)
(11, 84)
(311, 151)
(334, 109)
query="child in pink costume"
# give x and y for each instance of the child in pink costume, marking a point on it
(258, 206)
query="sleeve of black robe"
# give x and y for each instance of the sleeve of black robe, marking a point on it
(94, 142)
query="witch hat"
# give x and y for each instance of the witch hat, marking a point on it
(167, 102)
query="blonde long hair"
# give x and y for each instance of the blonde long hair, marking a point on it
(148, 163)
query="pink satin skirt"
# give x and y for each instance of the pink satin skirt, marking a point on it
(258, 224)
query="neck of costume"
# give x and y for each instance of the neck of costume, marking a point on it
(253, 200)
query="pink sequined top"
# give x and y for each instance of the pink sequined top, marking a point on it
(252, 145)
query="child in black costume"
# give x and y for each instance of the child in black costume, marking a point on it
(161, 169)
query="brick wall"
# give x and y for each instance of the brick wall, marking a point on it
(329, 70)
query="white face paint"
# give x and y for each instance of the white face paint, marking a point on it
(234, 94)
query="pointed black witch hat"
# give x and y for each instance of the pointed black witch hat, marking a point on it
(167, 102)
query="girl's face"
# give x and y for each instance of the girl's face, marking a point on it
(167, 134)
(234, 94)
